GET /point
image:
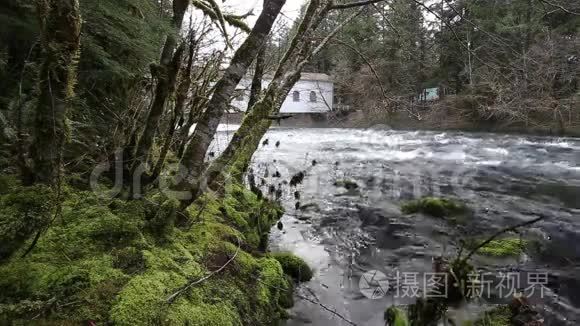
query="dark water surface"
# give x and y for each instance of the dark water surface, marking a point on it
(344, 233)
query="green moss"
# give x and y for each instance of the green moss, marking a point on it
(116, 261)
(436, 207)
(293, 266)
(500, 316)
(396, 317)
(23, 212)
(7, 184)
(164, 215)
(182, 313)
(508, 247)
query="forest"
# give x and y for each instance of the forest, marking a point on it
(115, 207)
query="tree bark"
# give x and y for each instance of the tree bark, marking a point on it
(60, 21)
(181, 99)
(236, 159)
(256, 88)
(205, 130)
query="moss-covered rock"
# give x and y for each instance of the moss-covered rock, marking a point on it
(506, 247)
(293, 266)
(118, 262)
(436, 207)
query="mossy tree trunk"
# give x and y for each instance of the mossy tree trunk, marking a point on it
(206, 128)
(60, 22)
(166, 75)
(236, 159)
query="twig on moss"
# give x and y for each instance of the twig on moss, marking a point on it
(497, 234)
(188, 286)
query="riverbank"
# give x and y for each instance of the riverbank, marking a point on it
(140, 262)
(428, 120)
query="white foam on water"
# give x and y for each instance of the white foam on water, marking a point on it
(489, 163)
(499, 151)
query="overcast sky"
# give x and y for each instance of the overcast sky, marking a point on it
(290, 11)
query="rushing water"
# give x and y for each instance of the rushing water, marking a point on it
(344, 233)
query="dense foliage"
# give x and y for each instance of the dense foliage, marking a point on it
(503, 63)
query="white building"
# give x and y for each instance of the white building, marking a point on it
(313, 93)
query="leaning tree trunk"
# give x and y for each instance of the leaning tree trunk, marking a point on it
(166, 75)
(206, 128)
(60, 22)
(235, 160)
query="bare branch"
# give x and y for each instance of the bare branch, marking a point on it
(497, 234)
(368, 63)
(354, 4)
(560, 7)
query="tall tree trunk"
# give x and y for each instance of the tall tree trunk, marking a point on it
(235, 160)
(256, 88)
(205, 130)
(166, 74)
(60, 21)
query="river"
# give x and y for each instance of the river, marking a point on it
(343, 234)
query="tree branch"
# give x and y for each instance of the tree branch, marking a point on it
(354, 4)
(560, 7)
(500, 232)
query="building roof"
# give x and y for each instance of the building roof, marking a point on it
(315, 76)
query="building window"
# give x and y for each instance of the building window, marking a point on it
(296, 96)
(313, 98)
